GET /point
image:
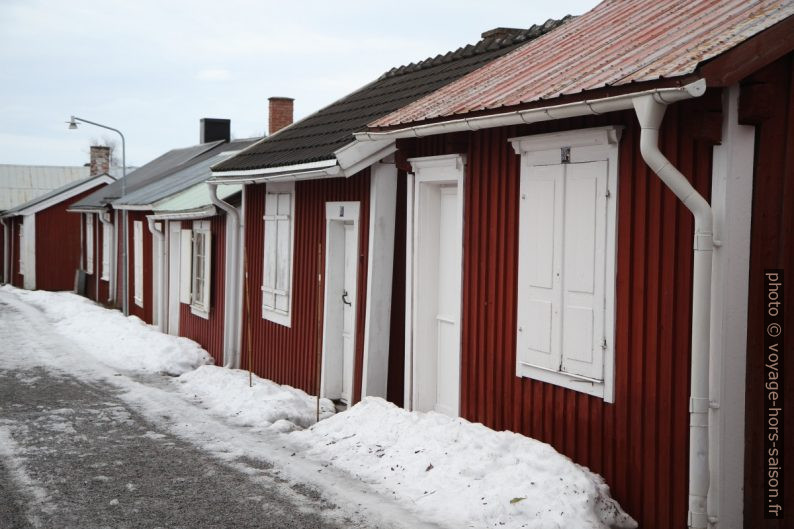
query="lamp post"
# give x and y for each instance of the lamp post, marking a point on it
(125, 223)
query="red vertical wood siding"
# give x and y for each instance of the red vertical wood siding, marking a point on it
(145, 312)
(208, 332)
(639, 443)
(288, 355)
(772, 246)
(58, 245)
(396, 376)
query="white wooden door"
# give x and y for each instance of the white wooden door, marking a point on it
(448, 312)
(174, 260)
(349, 311)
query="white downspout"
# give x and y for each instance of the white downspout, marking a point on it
(650, 112)
(231, 306)
(158, 234)
(6, 246)
(104, 218)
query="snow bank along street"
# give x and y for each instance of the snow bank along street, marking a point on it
(93, 435)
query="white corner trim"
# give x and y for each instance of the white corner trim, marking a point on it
(731, 201)
(377, 320)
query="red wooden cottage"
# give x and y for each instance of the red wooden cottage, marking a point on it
(45, 243)
(319, 234)
(104, 225)
(588, 223)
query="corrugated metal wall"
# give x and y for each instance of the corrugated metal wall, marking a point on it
(396, 376)
(145, 312)
(287, 355)
(772, 246)
(639, 443)
(58, 245)
(209, 332)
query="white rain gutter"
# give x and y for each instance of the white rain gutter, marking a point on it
(158, 234)
(104, 218)
(192, 214)
(6, 231)
(650, 112)
(649, 107)
(232, 319)
(533, 115)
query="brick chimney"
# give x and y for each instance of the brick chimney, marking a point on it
(214, 129)
(279, 113)
(100, 160)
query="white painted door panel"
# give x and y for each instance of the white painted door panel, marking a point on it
(349, 311)
(174, 263)
(448, 334)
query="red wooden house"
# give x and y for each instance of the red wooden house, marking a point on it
(319, 213)
(588, 224)
(45, 243)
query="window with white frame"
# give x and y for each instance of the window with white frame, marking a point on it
(277, 271)
(137, 248)
(567, 246)
(89, 243)
(201, 262)
(107, 235)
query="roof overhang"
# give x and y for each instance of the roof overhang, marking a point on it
(86, 209)
(133, 207)
(537, 114)
(347, 161)
(191, 214)
(60, 197)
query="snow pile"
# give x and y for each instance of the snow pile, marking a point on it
(125, 343)
(460, 474)
(265, 404)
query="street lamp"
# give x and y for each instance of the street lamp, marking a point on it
(125, 222)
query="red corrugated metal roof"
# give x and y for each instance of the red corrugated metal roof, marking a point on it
(616, 43)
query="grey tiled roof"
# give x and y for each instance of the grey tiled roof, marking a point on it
(318, 136)
(163, 165)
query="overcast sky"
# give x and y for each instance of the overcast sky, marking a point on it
(152, 68)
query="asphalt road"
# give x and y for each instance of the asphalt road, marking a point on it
(74, 455)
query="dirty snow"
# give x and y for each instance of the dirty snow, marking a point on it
(461, 474)
(125, 343)
(265, 404)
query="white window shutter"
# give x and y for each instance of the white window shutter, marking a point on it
(584, 270)
(283, 253)
(207, 268)
(138, 262)
(539, 293)
(278, 253)
(89, 243)
(107, 234)
(185, 271)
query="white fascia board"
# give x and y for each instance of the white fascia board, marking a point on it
(220, 177)
(358, 155)
(190, 214)
(66, 195)
(134, 207)
(544, 113)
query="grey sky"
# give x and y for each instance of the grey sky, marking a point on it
(152, 68)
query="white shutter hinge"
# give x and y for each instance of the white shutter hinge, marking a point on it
(604, 344)
(608, 194)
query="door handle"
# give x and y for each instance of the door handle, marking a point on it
(345, 300)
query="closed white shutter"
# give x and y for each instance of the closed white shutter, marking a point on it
(584, 269)
(201, 265)
(137, 234)
(107, 234)
(562, 271)
(185, 272)
(539, 257)
(89, 243)
(278, 253)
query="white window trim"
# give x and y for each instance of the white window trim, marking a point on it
(201, 228)
(585, 145)
(267, 313)
(107, 235)
(137, 262)
(89, 243)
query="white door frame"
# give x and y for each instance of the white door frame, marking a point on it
(336, 214)
(173, 234)
(428, 171)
